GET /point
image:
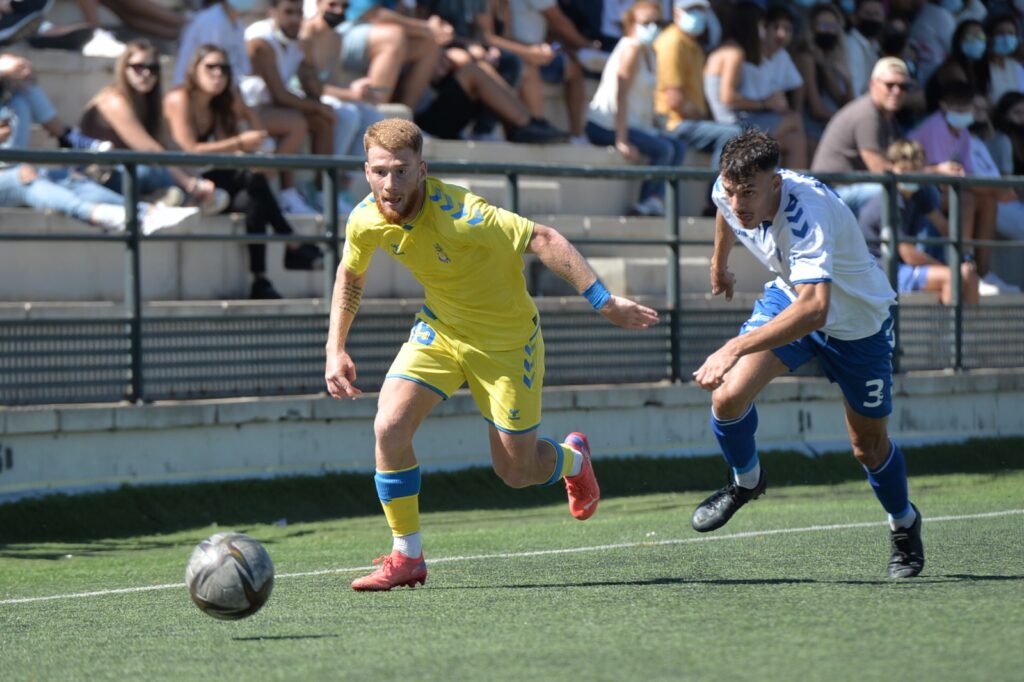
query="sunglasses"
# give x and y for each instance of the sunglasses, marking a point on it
(145, 68)
(894, 85)
(219, 67)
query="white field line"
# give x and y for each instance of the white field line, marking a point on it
(539, 552)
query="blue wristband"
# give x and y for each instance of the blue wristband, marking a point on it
(597, 294)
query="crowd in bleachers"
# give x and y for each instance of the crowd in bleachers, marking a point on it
(901, 85)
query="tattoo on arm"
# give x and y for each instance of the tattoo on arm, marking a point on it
(351, 297)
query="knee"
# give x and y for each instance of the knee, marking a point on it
(386, 38)
(870, 449)
(391, 431)
(729, 403)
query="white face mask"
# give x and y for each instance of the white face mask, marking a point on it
(959, 119)
(646, 33)
(692, 22)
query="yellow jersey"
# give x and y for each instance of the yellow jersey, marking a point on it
(467, 254)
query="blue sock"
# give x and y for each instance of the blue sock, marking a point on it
(736, 438)
(889, 481)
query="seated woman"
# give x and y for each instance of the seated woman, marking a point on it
(821, 60)
(622, 110)
(746, 81)
(127, 113)
(205, 115)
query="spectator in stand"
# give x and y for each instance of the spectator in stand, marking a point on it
(1006, 74)
(746, 80)
(679, 96)
(399, 53)
(1008, 119)
(530, 24)
(205, 115)
(278, 59)
(128, 114)
(861, 43)
(821, 60)
(945, 139)
(918, 213)
(466, 92)
(966, 62)
(611, 12)
(21, 18)
(622, 110)
(932, 34)
(218, 23)
(65, 191)
(27, 103)
(858, 136)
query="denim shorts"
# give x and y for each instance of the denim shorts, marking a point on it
(912, 277)
(355, 40)
(862, 368)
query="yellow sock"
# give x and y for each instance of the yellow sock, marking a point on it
(565, 457)
(399, 493)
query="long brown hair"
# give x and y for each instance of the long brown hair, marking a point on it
(147, 106)
(223, 104)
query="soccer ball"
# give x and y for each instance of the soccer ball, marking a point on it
(229, 576)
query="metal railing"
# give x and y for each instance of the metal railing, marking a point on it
(678, 348)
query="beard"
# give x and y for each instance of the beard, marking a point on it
(411, 202)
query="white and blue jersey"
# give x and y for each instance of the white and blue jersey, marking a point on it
(815, 237)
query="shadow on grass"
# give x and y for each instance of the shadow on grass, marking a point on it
(270, 638)
(143, 510)
(658, 582)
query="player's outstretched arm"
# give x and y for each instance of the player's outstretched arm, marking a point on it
(564, 260)
(340, 372)
(722, 280)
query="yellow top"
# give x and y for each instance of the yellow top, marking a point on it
(467, 255)
(680, 65)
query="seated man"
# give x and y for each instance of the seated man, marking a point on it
(918, 205)
(399, 53)
(529, 24)
(277, 58)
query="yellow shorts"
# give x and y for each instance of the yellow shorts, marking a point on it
(506, 385)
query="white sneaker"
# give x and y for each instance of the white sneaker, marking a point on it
(650, 207)
(217, 202)
(293, 203)
(592, 59)
(103, 44)
(160, 217)
(109, 216)
(1001, 286)
(581, 140)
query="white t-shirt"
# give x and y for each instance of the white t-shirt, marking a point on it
(213, 25)
(528, 24)
(814, 237)
(640, 103)
(778, 72)
(289, 57)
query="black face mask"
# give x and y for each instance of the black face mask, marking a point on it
(332, 19)
(869, 28)
(826, 41)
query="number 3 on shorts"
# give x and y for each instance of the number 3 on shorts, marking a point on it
(875, 388)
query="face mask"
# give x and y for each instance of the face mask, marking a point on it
(973, 49)
(959, 119)
(869, 28)
(242, 5)
(1004, 45)
(692, 23)
(952, 6)
(850, 6)
(333, 19)
(826, 41)
(909, 187)
(646, 33)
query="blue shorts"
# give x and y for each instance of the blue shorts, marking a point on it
(862, 368)
(554, 71)
(355, 52)
(911, 277)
